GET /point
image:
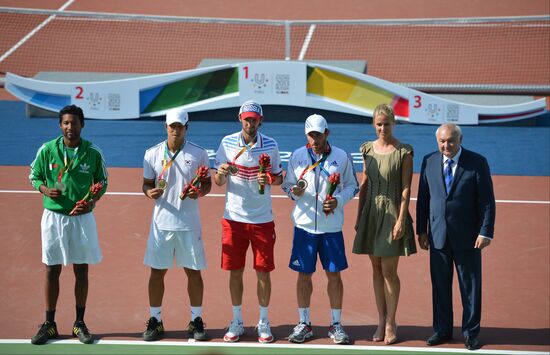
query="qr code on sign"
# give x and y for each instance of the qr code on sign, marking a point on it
(453, 113)
(113, 102)
(282, 83)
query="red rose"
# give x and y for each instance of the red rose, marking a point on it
(264, 161)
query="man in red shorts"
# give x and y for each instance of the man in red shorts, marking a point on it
(248, 219)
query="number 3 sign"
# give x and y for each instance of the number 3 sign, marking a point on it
(417, 101)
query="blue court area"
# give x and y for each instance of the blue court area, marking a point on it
(509, 150)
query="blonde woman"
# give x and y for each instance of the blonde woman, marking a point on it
(384, 225)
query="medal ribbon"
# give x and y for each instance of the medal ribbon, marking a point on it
(246, 147)
(66, 166)
(317, 163)
(166, 166)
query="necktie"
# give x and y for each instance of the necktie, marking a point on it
(449, 175)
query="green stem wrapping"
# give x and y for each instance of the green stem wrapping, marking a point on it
(261, 188)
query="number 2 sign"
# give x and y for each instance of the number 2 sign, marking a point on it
(79, 91)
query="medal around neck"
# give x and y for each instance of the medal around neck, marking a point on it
(161, 184)
(233, 169)
(302, 184)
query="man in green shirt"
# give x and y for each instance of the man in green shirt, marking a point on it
(70, 172)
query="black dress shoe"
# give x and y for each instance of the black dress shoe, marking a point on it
(471, 343)
(438, 338)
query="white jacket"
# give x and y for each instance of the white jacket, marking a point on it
(308, 213)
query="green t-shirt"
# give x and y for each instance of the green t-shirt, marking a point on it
(86, 167)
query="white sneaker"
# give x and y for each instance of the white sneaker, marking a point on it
(264, 333)
(234, 331)
(300, 333)
(337, 334)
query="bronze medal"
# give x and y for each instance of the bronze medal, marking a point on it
(161, 184)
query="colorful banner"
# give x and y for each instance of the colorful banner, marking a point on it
(290, 83)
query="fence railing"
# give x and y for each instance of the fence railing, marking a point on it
(497, 55)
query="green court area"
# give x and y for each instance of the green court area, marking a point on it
(129, 347)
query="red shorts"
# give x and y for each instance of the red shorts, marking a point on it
(236, 236)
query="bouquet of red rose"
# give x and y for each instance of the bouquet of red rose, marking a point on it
(264, 161)
(201, 173)
(333, 181)
(89, 198)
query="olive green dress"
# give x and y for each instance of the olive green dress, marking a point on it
(382, 202)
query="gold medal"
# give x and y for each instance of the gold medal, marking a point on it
(161, 184)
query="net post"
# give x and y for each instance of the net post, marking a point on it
(287, 40)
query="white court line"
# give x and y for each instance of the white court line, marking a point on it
(283, 346)
(33, 32)
(306, 42)
(117, 193)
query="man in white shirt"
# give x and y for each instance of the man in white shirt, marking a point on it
(248, 219)
(318, 218)
(168, 168)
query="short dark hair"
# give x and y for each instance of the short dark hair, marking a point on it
(72, 110)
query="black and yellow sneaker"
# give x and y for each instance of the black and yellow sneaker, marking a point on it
(81, 332)
(48, 330)
(154, 330)
(196, 330)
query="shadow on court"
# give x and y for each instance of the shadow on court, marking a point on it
(489, 335)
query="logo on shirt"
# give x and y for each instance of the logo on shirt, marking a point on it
(334, 163)
(296, 263)
(188, 162)
(84, 168)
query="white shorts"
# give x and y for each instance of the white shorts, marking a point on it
(186, 246)
(69, 239)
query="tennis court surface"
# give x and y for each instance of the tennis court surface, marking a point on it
(516, 268)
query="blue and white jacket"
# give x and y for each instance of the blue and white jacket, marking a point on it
(308, 213)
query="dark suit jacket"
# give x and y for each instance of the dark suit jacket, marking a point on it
(468, 209)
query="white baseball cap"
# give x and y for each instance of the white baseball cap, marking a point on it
(251, 109)
(316, 123)
(178, 115)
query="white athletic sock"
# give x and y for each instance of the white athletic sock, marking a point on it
(263, 315)
(336, 315)
(238, 314)
(196, 312)
(304, 315)
(155, 312)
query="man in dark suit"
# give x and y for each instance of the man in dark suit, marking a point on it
(455, 217)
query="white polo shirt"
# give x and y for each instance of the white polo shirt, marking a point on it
(170, 213)
(243, 202)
